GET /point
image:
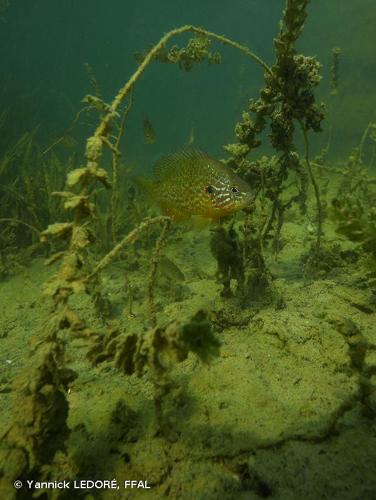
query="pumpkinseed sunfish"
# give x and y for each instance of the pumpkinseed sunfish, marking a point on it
(191, 183)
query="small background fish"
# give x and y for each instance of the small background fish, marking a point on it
(191, 137)
(149, 133)
(191, 183)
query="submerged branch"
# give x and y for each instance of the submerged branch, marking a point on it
(115, 170)
(231, 43)
(130, 238)
(363, 140)
(153, 271)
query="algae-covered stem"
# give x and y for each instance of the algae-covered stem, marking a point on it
(315, 188)
(363, 140)
(115, 165)
(130, 238)
(153, 272)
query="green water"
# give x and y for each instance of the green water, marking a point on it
(44, 45)
(224, 359)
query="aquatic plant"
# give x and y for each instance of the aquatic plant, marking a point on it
(28, 202)
(238, 250)
(155, 352)
(153, 271)
(286, 101)
(334, 71)
(355, 218)
(354, 178)
(196, 51)
(35, 440)
(352, 209)
(228, 251)
(369, 134)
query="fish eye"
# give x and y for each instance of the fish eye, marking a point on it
(209, 189)
(234, 189)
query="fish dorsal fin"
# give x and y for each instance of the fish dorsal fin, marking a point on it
(172, 163)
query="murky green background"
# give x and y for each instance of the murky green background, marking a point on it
(45, 43)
